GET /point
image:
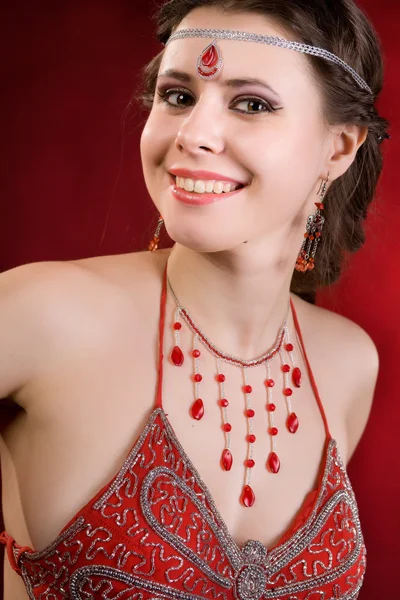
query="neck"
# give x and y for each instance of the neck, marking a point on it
(240, 300)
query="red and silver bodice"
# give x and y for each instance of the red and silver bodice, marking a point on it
(155, 532)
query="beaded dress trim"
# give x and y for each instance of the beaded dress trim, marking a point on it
(155, 532)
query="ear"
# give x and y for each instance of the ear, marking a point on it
(345, 142)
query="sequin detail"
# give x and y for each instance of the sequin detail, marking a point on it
(155, 532)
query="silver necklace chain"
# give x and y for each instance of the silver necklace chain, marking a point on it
(229, 358)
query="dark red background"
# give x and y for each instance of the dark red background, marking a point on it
(72, 186)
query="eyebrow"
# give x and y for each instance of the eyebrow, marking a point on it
(231, 83)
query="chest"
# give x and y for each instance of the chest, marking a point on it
(91, 406)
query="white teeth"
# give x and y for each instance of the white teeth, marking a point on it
(218, 187)
(209, 186)
(189, 185)
(203, 187)
(200, 187)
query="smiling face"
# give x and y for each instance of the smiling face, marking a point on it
(257, 127)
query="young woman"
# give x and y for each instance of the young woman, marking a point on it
(186, 416)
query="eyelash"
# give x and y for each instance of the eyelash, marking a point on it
(164, 94)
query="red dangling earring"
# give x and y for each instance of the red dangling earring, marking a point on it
(315, 223)
(152, 247)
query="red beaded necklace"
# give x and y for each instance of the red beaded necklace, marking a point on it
(283, 349)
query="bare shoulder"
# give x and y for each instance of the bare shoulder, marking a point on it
(28, 310)
(49, 310)
(344, 335)
(126, 271)
(135, 278)
(349, 358)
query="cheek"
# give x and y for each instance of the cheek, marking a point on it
(155, 140)
(287, 160)
(283, 161)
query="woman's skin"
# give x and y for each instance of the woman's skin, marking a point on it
(78, 350)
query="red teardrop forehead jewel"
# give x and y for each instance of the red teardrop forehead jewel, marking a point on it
(210, 62)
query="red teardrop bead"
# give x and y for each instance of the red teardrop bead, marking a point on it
(248, 497)
(177, 356)
(197, 410)
(274, 463)
(293, 423)
(297, 377)
(227, 460)
(210, 57)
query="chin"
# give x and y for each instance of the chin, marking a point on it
(201, 239)
(214, 228)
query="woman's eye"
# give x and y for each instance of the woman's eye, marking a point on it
(175, 98)
(253, 106)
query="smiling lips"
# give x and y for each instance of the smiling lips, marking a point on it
(205, 185)
(200, 186)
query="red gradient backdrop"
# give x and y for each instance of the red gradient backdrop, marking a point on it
(72, 186)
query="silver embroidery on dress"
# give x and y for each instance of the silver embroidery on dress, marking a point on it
(196, 554)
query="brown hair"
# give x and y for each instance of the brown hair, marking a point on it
(340, 27)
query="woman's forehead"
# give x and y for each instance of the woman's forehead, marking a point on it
(284, 70)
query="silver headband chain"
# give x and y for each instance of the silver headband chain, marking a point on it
(244, 36)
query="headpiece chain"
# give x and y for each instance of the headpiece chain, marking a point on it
(222, 34)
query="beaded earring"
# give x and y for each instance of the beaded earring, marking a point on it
(312, 237)
(152, 247)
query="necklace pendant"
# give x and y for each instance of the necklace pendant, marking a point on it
(248, 497)
(296, 376)
(177, 356)
(293, 423)
(197, 410)
(227, 460)
(274, 463)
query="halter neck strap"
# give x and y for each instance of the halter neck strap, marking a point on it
(163, 304)
(309, 370)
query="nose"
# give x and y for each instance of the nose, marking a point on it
(201, 131)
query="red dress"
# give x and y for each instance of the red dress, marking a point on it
(154, 532)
